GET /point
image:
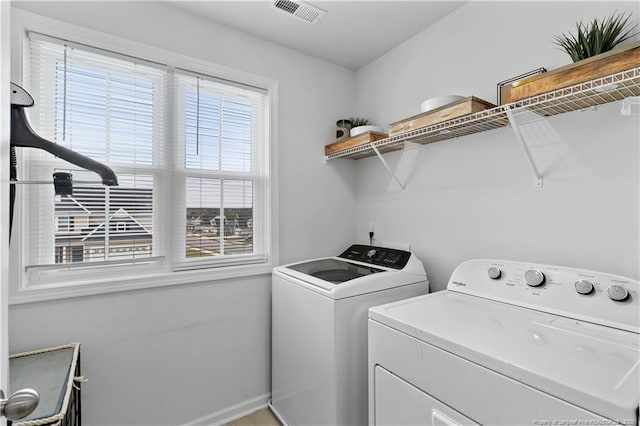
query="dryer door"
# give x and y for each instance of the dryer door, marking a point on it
(400, 403)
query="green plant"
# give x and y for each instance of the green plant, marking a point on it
(596, 37)
(357, 121)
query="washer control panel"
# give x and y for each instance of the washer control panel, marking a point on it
(575, 293)
(380, 256)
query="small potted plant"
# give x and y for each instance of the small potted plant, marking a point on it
(343, 127)
(597, 37)
(361, 125)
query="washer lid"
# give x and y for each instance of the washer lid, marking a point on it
(592, 366)
(338, 278)
(334, 270)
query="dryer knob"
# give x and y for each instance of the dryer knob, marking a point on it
(494, 273)
(534, 278)
(617, 293)
(584, 287)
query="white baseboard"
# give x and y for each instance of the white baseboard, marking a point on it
(231, 413)
(276, 413)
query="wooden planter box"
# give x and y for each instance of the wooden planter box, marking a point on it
(358, 140)
(611, 62)
(447, 112)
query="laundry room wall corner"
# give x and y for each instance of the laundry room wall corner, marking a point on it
(474, 196)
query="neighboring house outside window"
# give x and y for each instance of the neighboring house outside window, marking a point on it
(130, 234)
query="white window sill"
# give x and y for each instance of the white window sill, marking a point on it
(116, 285)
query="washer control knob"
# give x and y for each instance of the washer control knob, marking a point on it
(371, 253)
(617, 293)
(584, 286)
(494, 273)
(534, 278)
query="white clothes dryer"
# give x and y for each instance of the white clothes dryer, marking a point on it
(509, 343)
(319, 330)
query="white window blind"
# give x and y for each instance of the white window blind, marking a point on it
(200, 200)
(223, 164)
(109, 108)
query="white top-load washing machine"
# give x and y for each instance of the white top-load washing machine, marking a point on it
(509, 343)
(319, 330)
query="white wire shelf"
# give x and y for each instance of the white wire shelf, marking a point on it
(599, 91)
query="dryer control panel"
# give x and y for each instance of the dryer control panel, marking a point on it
(591, 296)
(381, 256)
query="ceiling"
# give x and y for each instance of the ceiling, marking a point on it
(351, 33)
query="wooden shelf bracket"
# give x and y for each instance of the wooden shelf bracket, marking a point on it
(523, 144)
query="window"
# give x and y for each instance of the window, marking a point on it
(64, 224)
(190, 152)
(220, 128)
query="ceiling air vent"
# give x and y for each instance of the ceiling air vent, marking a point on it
(301, 10)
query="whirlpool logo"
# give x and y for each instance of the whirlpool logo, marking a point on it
(459, 283)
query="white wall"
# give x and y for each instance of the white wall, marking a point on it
(164, 356)
(172, 355)
(474, 197)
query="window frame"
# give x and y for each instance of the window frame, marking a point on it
(134, 277)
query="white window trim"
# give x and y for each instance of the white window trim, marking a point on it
(22, 22)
